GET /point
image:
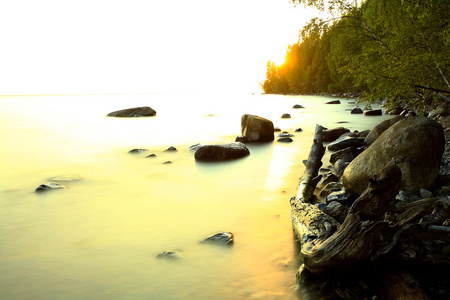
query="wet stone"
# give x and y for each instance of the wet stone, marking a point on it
(221, 238)
(171, 149)
(172, 255)
(49, 186)
(137, 151)
(285, 140)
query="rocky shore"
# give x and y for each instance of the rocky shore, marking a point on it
(376, 225)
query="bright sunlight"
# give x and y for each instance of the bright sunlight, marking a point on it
(104, 46)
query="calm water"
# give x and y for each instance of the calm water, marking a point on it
(98, 239)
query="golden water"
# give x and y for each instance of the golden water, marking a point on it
(99, 238)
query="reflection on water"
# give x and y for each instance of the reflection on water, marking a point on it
(98, 239)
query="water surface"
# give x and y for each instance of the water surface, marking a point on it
(98, 239)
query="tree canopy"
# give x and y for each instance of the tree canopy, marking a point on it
(396, 49)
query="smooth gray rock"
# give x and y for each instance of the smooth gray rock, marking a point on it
(221, 152)
(333, 102)
(144, 111)
(415, 144)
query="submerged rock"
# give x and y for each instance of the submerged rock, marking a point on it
(285, 116)
(144, 111)
(257, 129)
(298, 106)
(65, 178)
(49, 186)
(221, 152)
(285, 140)
(221, 238)
(415, 144)
(169, 255)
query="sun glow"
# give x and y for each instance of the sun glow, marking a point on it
(137, 46)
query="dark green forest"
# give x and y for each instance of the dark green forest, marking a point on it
(380, 49)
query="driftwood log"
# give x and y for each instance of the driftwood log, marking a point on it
(376, 226)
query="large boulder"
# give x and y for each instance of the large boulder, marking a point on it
(144, 111)
(221, 152)
(257, 129)
(415, 144)
(380, 128)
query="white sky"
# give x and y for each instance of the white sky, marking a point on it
(134, 46)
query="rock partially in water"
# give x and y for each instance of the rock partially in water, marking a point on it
(329, 135)
(171, 149)
(172, 255)
(257, 129)
(144, 111)
(221, 238)
(373, 112)
(333, 102)
(285, 140)
(285, 116)
(221, 152)
(298, 106)
(152, 155)
(298, 129)
(49, 186)
(137, 151)
(356, 110)
(345, 142)
(285, 134)
(415, 144)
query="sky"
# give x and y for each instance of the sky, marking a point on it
(140, 46)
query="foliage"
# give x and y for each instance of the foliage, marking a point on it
(398, 49)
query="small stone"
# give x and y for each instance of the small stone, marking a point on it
(167, 162)
(171, 148)
(285, 140)
(169, 255)
(373, 112)
(221, 238)
(285, 134)
(286, 116)
(152, 155)
(137, 151)
(333, 102)
(277, 129)
(298, 129)
(356, 110)
(49, 186)
(298, 106)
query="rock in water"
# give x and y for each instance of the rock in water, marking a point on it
(169, 255)
(49, 186)
(144, 111)
(257, 129)
(329, 135)
(415, 144)
(221, 152)
(221, 238)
